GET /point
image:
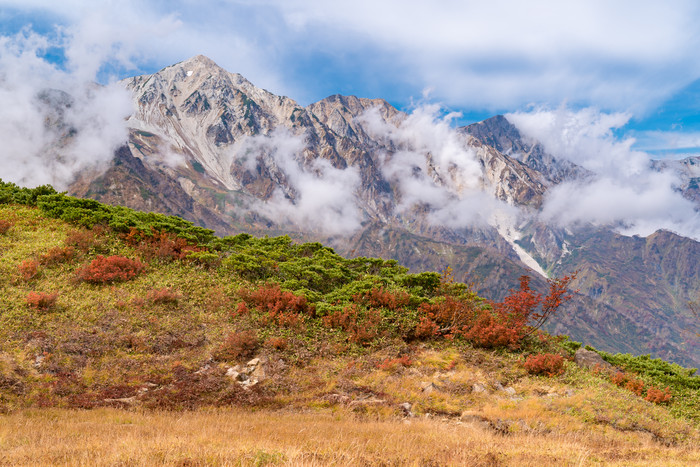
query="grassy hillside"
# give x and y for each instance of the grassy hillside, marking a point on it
(106, 308)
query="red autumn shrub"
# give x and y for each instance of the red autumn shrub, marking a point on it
(343, 319)
(164, 296)
(241, 309)
(391, 364)
(237, 345)
(277, 306)
(278, 343)
(658, 396)
(361, 327)
(452, 316)
(28, 269)
(383, 298)
(426, 328)
(160, 245)
(619, 378)
(489, 331)
(367, 328)
(41, 301)
(5, 225)
(521, 313)
(103, 270)
(636, 386)
(545, 364)
(58, 255)
(84, 240)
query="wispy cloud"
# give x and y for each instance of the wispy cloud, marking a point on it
(316, 196)
(433, 167)
(498, 55)
(53, 122)
(625, 191)
(668, 141)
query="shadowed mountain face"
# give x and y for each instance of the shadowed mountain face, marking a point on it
(370, 180)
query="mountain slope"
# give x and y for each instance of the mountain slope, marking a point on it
(369, 180)
(128, 313)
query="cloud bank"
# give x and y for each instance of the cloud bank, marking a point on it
(625, 191)
(54, 122)
(497, 55)
(474, 55)
(318, 197)
(432, 167)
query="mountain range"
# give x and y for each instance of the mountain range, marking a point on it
(369, 180)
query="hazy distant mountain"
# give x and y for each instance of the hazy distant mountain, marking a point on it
(358, 174)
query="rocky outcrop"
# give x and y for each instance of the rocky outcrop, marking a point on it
(591, 360)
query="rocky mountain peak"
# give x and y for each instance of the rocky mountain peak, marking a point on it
(499, 133)
(343, 115)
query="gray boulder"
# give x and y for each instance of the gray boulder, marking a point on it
(589, 359)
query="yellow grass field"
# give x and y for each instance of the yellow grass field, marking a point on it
(239, 437)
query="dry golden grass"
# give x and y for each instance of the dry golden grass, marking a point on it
(238, 437)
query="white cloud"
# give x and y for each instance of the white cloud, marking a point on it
(625, 192)
(628, 55)
(624, 56)
(324, 196)
(53, 123)
(432, 166)
(498, 54)
(667, 140)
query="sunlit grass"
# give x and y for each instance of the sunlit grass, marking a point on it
(238, 437)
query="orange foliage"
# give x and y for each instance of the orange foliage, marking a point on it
(278, 343)
(362, 328)
(58, 255)
(426, 328)
(505, 324)
(28, 269)
(277, 306)
(160, 245)
(237, 345)
(545, 364)
(635, 385)
(41, 301)
(104, 270)
(383, 298)
(5, 225)
(390, 364)
(658, 396)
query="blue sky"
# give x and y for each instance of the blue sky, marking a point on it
(633, 58)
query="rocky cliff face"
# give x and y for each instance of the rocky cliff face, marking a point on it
(208, 145)
(688, 170)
